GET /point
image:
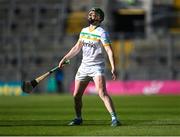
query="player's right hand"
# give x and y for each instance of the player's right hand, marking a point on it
(61, 63)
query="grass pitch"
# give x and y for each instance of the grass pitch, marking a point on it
(49, 115)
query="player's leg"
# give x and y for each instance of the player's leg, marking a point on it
(101, 88)
(80, 86)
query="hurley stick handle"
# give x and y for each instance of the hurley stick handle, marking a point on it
(43, 76)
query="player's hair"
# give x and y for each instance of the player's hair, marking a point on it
(99, 12)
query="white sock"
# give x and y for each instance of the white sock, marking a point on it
(113, 116)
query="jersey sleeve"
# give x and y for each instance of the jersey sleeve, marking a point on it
(105, 39)
(80, 35)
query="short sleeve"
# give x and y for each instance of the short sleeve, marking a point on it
(80, 35)
(105, 39)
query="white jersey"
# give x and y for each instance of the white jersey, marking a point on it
(93, 42)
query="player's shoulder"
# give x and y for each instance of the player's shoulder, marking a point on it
(101, 30)
(84, 29)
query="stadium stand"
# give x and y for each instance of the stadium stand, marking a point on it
(30, 32)
(34, 34)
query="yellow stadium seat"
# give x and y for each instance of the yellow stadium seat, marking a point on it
(75, 22)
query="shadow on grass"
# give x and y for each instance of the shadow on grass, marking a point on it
(49, 122)
(150, 122)
(4, 123)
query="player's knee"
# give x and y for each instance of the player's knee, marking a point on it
(102, 94)
(77, 96)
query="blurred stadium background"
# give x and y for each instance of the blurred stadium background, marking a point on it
(35, 34)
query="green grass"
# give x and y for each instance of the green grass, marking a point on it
(49, 115)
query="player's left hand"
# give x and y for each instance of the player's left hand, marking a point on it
(113, 74)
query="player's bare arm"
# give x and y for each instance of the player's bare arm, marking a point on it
(73, 52)
(111, 59)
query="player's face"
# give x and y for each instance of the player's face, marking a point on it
(93, 18)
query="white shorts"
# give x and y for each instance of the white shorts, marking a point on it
(87, 73)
